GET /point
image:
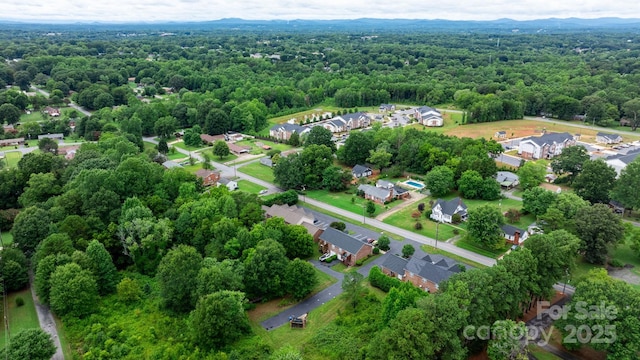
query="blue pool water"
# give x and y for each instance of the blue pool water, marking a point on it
(414, 184)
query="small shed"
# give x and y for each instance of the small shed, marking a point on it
(299, 322)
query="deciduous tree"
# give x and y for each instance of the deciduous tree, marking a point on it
(597, 226)
(221, 149)
(178, 278)
(102, 267)
(531, 174)
(300, 278)
(484, 226)
(570, 161)
(73, 291)
(219, 319)
(32, 344)
(626, 187)
(439, 180)
(595, 181)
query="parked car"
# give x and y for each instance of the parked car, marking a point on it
(324, 256)
(262, 192)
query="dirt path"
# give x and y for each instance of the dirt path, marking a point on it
(415, 197)
(47, 322)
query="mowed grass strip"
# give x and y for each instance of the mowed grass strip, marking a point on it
(343, 200)
(20, 318)
(248, 186)
(404, 220)
(259, 171)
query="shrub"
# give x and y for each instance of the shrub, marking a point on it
(129, 290)
(331, 258)
(614, 263)
(417, 226)
(383, 282)
(456, 219)
(416, 214)
(19, 301)
(421, 207)
(360, 262)
(513, 215)
(338, 225)
(383, 243)
(427, 214)
(456, 232)
(376, 250)
(408, 250)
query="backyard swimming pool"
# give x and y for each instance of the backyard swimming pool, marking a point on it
(414, 184)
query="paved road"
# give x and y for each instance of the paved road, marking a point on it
(47, 323)
(509, 160)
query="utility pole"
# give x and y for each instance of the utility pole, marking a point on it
(437, 227)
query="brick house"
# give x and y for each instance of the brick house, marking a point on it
(284, 131)
(209, 177)
(347, 248)
(210, 139)
(425, 272)
(294, 215)
(383, 192)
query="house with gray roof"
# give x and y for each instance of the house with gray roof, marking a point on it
(58, 137)
(170, 164)
(514, 235)
(359, 171)
(507, 179)
(285, 130)
(620, 161)
(605, 138)
(383, 192)
(294, 215)
(443, 210)
(428, 116)
(347, 248)
(266, 161)
(230, 184)
(346, 122)
(546, 146)
(425, 272)
(386, 107)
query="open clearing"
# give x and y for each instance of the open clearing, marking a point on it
(20, 318)
(524, 128)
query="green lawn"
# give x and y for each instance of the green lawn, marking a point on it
(12, 158)
(470, 245)
(225, 159)
(403, 219)
(248, 186)
(20, 318)
(7, 238)
(259, 171)
(541, 354)
(193, 168)
(177, 155)
(255, 149)
(622, 253)
(343, 200)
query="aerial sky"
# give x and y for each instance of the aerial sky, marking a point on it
(201, 10)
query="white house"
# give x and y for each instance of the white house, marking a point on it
(546, 146)
(444, 210)
(619, 162)
(605, 138)
(359, 171)
(429, 116)
(230, 184)
(514, 235)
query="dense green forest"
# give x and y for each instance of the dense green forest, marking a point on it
(142, 262)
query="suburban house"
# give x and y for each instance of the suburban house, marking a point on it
(359, 171)
(284, 131)
(170, 164)
(605, 138)
(507, 179)
(382, 195)
(514, 235)
(69, 152)
(210, 139)
(237, 149)
(230, 184)
(546, 146)
(266, 161)
(58, 137)
(51, 111)
(425, 272)
(294, 215)
(346, 122)
(9, 129)
(347, 248)
(429, 116)
(386, 107)
(443, 210)
(616, 207)
(620, 161)
(209, 177)
(10, 142)
(500, 134)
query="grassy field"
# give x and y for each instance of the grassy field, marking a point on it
(247, 186)
(20, 318)
(193, 168)
(259, 171)
(403, 219)
(541, 354)
(225, 159)
(452, 121)
(343, 201)
(622, 253)
(522, 128)
(11, 159)
(470, 245)
(256, 150)
(7, 238)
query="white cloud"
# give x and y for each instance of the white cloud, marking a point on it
(200, 10)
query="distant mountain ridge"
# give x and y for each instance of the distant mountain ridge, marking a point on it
(361, 24)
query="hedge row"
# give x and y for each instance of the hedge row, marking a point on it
(383, 282)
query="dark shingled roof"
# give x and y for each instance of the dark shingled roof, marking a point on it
(426, 269)
(550, 138)
(511, 230)
(360, 169)
(608, 136)
(628, 158)
(355, 115)
(289, 127)
(449, 207)
(342, 240)
(395, 264)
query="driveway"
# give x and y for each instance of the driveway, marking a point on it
(47, 322)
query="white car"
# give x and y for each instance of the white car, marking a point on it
(262, 192)
(324, 256)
